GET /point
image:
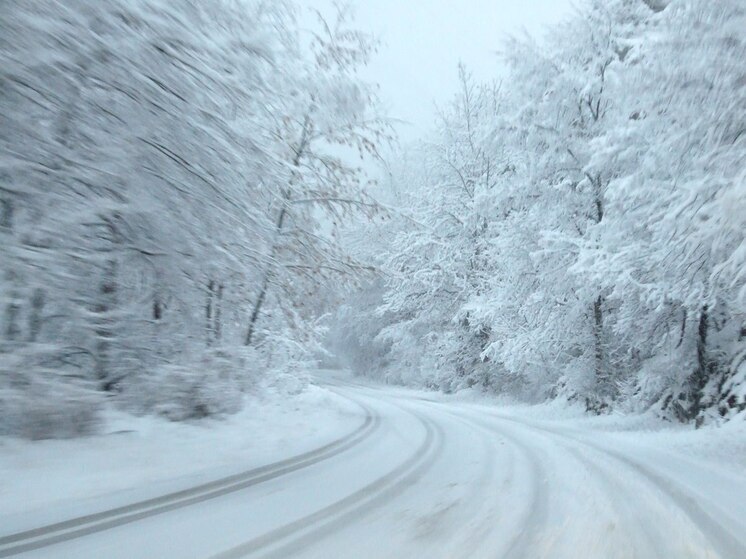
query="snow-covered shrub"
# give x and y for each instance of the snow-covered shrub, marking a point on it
(656, 384)
(213, 385)
(289, 360)
(291, 379)
(39, 404)
(733, 392)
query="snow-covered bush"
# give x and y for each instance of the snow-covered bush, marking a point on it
(213, 385)
(733, 392)
(291, 379)
(39, 404)
(289, 360)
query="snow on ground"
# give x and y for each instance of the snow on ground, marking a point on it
(140, 457)
(435, 476)
(723, 445)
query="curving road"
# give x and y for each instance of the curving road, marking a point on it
(421, 478)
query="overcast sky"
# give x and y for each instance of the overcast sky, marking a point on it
(423, 41)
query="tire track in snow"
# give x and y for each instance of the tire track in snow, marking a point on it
(536, 512)
(721, 540)
(627, 508)
(469, 544)
(59, 532)
(296, 536)
(473, 537)
(476, 542)
(611, 486)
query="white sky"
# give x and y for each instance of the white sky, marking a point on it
(423, 41)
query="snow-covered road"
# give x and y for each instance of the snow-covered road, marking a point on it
(417, 476)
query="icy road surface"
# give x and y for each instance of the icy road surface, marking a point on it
(413, 476)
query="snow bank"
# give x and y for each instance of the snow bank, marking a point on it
(141, 457)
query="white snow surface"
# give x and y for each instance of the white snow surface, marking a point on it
(140, 457)
(430, 476)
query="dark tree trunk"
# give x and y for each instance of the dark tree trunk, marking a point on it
(11, 330)
(704, 364)
(218, 324)
(35, 317)
(702, 329)
(208, 312)
(603, 380)
(104, 326)
(690, 400)
(683, 329)
(255, 313)
(265, 284)
(6, 215)
(598, 324)
(12, 316)
(105, 323)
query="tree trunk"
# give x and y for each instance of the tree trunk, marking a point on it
(35, 316)
(11, 330)
(257, 309)
(265, 283)
(6, 215)
(12, 315)
(602, 377)
(702, 373)
(603, 380)
(299, 153)
(104, 326)
(218, 325)
(690, 400)
(208, 312)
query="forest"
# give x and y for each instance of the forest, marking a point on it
(190, 205)
(576, 229)
(169, 189)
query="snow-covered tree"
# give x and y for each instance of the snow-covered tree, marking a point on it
(580, 233)
(163, 163)
(328, 118)
(671, 250)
